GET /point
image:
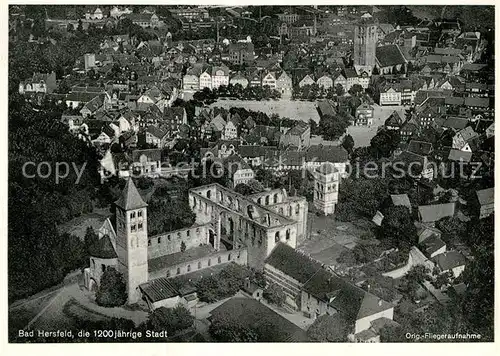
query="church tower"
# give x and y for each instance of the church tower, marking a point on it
(132, 239)
(365, 43)
(326, 188)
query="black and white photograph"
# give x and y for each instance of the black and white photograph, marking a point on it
(245, 173)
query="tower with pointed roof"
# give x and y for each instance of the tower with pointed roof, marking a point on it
(326, 188)
(132, 239)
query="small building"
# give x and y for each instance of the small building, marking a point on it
(160, 292)
(429, 214)
(451, 261)
(298, 136)
(486, 199)
(364, 115)
(253, 289)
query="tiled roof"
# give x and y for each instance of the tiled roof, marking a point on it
(456, 123)
(486, 196)
(103, 248)
(333, 154)
(458, 155)
(389, 55)
(401, 200)
(156, 131)
(432, 244)
(448, 260)
(293, 263)
(420, 147)
(130, 198)
(433, 213)
(152, 154)
(176, 258)
(159, 289)
(345, 297)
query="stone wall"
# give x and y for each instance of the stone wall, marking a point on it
(238, 256)
(170, 242)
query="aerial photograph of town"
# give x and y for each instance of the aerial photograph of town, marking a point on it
(243, 174)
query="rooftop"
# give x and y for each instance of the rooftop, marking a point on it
(130, 198)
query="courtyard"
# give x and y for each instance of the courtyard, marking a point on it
(293, 109)
(328, 238)
(363, 134)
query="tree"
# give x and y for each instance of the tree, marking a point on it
(112, 291)
(332, 127)
(173, 320)
(90, 239)
(80, 26)
(348, 143)
(384, 143)
(243, 189)
(356, 90)
(398, 229)
(329, 328)
(226, 329)
(274, 294)
(339, 90)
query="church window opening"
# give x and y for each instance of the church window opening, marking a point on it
(103, 267)
(229, 257)
(159, 240)
(178, 270)
(187, 233)
(277, 236)
(168, 237)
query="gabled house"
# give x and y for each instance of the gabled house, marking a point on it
(284, 85)
(157, 136)
(325, 82)
(306, 80)
(363, 115)
(393, 122)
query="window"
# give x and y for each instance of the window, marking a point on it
(209, 262)
(178, 270)
(93, 263)
(139, 213)
(189, 268)
(133, 228)
(178, 235)
(149, 242)
(199, 265)
(139, 226)
(159, 240)
(132, 215)
(229, 257)
(103, 267)
(187, 233)
(168, 273)
(219, 260)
